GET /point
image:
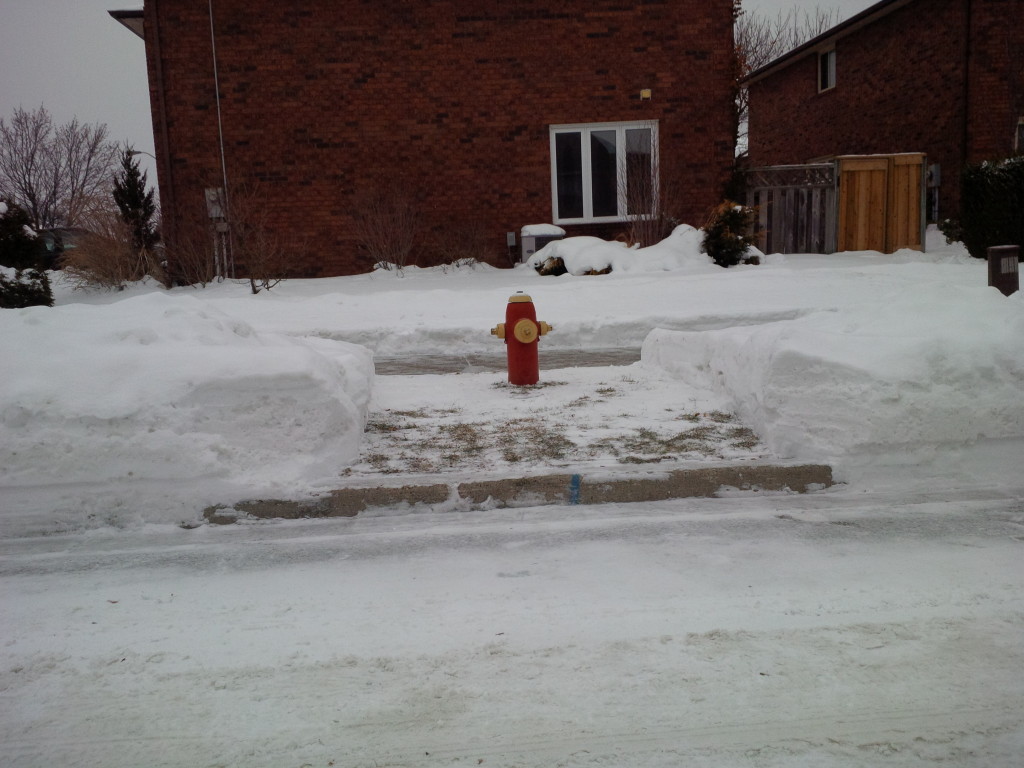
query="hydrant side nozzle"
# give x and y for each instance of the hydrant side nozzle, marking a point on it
(498, 330)
(544, 328)
(525, 331)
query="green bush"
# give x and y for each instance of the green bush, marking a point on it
(20, 247)
(23, 252)
(991, 205)
(28, 288)
(727, 234)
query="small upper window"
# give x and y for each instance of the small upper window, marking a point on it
(827, 69)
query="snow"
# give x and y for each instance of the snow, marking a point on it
(680, 251)
(166, 388)
(536, 230)
(876, 623)
(117, 397)
(942, 369)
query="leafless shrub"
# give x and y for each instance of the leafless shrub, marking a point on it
(239, 243)
(387, 226)
(256, 249)
(462, 244)
(107, 257)
(651, 202)
(191, 253)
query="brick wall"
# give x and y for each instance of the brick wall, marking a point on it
(449, 103)
(902, 85)
(996, 93)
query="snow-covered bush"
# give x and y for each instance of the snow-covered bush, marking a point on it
(20, 247)
(24, 288)
(24, 283)
(587, 255)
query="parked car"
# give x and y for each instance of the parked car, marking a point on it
(58, 241)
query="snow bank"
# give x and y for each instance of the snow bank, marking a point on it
(944, 367)
(581, 255)
(171, 388)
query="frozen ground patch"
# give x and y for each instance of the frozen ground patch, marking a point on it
(582, 418)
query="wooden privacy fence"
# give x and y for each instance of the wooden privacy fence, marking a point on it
(796, 207)
(853, 203)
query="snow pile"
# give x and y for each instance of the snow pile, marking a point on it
(944, 367)
(583, 255)
(165, 402)
(167, 387)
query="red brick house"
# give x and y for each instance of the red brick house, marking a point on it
(482, 115)
(943, 77)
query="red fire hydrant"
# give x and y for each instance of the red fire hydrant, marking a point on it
(520, 332)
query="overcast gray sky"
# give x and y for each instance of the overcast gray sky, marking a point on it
(71, 57)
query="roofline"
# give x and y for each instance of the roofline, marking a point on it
(825, 40)
(130, 19)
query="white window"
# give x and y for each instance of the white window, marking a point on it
(827, 69)
(603, 171)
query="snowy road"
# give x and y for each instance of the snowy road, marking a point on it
(838, 629)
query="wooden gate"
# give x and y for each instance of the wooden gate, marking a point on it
(796, 207)
(881, 202)
(854, 203)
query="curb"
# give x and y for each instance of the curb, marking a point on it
(597, 487)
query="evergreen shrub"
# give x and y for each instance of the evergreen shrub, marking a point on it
(728, 233)
(24, 283)
(991, 207)
(27, 288)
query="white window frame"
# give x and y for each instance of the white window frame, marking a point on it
(620, 129)
(827, 57)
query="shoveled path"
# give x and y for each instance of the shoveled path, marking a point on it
(583, 435)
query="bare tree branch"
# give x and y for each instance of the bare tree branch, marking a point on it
(761, 39)
(58, 175)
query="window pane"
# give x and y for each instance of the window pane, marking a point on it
(827, 70)
(603, 173)
(639, 167)
(569, 170)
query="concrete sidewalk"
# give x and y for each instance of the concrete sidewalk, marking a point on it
(596, 487)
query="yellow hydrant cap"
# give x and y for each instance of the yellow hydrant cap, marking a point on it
(519, 297)
(525, 331)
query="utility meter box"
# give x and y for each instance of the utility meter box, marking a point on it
(535, 236)
(1003, 268)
